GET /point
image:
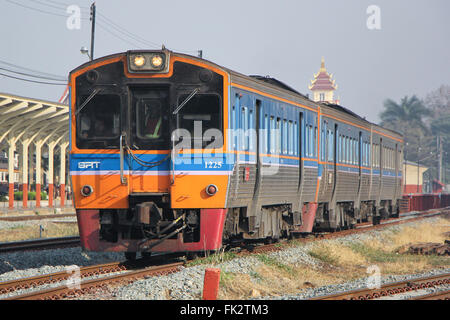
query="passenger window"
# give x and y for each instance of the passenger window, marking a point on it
(291, 138)
(272, 135)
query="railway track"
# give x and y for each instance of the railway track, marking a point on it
(392, 289)
(84, 287)
(32, 282)
(40, 244)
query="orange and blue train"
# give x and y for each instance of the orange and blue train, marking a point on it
(174, 153)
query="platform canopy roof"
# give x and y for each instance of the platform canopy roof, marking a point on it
(26, 118)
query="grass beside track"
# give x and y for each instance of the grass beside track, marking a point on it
(31, 231)
(336, 262)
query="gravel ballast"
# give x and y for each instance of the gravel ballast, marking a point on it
(187, 284)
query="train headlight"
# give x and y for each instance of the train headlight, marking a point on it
(86, 190)
(211, 190)
(157, 61)
(139, 61)
(148, 61)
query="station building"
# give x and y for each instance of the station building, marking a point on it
(31, 131)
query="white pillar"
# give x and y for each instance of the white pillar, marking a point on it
(51, 148)
(62, 172)
(25, 145)
(11, 149)
(38, 146)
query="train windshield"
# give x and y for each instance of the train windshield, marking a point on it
(201, 117)
(150, 130)
(98, 121)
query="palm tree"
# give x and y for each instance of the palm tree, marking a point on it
(408, 114)
(407, 119)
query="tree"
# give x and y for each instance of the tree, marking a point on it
(438, 101)
(400, 117)
(408, 118)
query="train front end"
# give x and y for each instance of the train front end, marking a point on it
(148, 161)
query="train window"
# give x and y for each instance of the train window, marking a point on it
(306, 140)
(250, 131)
(233, 126)
(201, 110)
(330, 146)
(353, 151)
(364, 153)
(285, 137)
(349, 151)
(367, 154)
(244, 127)
(272, 135)
(315, 148)
(149, 118)
(98, 122)
(278, 133)
(266, 134)
(291, 138)
(323, 140)
(339, 151)
(345, 153)
(296, 138)
(309, 139)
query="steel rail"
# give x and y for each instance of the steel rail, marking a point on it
(34, 244)
(31, 282)
(86, 286)
(389, 289)
(440, 295)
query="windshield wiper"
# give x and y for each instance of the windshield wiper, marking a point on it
(96, 90)
(193, 93)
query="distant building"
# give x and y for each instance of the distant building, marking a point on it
(323, 86)
(413, 173)
(4, 167)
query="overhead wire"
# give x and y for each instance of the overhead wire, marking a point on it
(34, 81)
(36, 9)
(31, 75)
(32, 70)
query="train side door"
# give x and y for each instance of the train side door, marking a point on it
(324, 155)
(301, 127)
(359, 159)
(258, 144)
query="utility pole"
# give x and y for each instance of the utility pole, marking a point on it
(440, 173)
(92, 29)
(418, 165)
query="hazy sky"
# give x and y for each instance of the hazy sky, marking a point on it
(285, 39)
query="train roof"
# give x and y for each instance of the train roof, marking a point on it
(274, 85)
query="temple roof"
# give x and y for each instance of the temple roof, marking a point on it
(322, 79)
